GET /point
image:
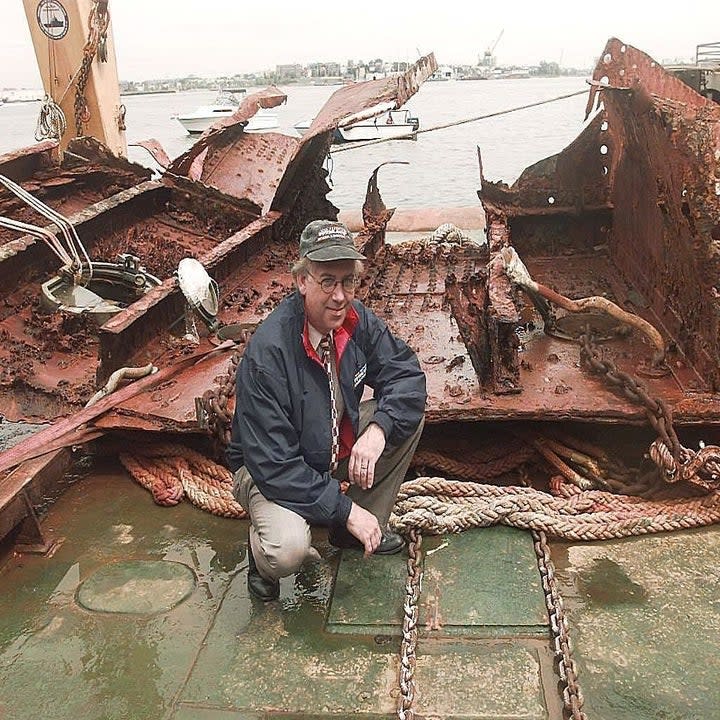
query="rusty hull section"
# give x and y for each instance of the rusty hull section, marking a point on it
(88, 173)
(628, 211)
(51, 360)
(270, 168)
(367, 99)
(235, 201)
(609, 216)
(225, 148)
(664, 162)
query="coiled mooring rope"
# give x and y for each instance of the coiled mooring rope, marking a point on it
(473, 467)
(171, 472)
(436, 505)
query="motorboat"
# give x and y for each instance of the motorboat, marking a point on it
(225, 105)
(302, 126)
(390, 124)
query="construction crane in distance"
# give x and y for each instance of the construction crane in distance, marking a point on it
(488, 58)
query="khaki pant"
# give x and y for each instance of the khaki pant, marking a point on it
(280, 539)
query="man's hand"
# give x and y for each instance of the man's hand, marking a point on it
(365, 527)
(364, 455)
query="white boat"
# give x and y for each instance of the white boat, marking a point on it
(225, 105)
(302, 126)
(391, 124)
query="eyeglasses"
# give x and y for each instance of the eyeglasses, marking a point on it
(327, 284)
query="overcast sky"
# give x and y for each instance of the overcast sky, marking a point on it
(173, 38)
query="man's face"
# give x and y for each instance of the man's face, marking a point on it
(326, 311)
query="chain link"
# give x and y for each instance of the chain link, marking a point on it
(413, 588)
(214, 402)
(567, 670)
(658, 413)
(212, 409)
(572, 696)
(98, 22)
(679, 464)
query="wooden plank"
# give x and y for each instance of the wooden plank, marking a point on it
(52, 464)
(71, 431)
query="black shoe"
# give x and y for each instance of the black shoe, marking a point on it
(390, 544)
(262, 589)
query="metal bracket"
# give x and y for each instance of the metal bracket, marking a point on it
(30, 537)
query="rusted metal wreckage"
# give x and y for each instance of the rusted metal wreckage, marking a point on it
(628, 214)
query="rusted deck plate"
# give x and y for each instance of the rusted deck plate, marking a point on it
(410, 298)
(49, 360)
(67, 188)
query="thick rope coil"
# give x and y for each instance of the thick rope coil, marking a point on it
(447, 232)
(51, 123)
(437, 506)
(165, 489)
(170, 472)
(470, 469)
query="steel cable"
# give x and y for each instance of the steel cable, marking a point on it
(443, 126)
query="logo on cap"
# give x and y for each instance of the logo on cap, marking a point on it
(333, 232)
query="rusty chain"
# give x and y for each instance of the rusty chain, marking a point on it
(413, 588)
(213, 406)
(212, 409)
(701, 469)
(98, 22)
(567, 670)
(658, 413)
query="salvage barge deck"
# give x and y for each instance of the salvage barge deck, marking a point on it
(146, 615)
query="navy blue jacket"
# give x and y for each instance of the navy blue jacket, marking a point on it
(281, 426)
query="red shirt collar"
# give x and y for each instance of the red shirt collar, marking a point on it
(341, 336)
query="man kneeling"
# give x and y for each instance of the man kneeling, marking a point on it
(300, 427)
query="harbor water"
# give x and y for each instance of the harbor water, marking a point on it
(442, 167)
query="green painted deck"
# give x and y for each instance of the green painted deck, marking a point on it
(143, 612)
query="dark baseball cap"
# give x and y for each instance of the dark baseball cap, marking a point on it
(326, 240)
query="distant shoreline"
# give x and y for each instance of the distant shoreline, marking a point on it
(304, 82)
(13, 101)
(147, 92)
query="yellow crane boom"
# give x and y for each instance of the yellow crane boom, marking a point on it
(76, 57)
